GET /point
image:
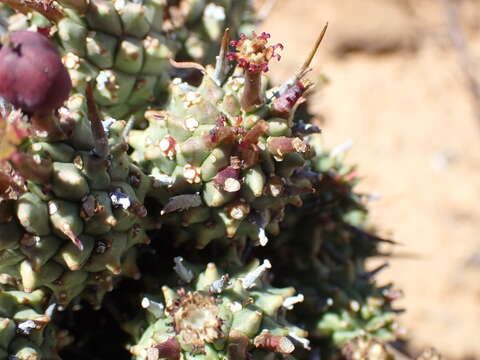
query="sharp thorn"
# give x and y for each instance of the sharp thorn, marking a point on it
(374, 272)
(306, 65)
(221, 63)
(404, 255)
(365, 235)
(101, 148)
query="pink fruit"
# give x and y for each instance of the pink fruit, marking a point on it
(32, 75)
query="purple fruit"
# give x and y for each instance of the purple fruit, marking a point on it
(32, 75)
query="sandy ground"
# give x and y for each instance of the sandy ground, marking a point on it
(397, 90)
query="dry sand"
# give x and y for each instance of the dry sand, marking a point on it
(398, 92)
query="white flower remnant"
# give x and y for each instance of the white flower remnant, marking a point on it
(26, 327)
(249, 280)
(155, 308)
(120, 199)
(219, 285)
(292, 300)
(305, 342)
(184, 273)
(262, 237)
(107, 123)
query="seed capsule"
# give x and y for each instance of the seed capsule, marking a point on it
(32, 76)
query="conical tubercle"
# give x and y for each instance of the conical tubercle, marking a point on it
(253, 55)
(32, 167)
(291, 92)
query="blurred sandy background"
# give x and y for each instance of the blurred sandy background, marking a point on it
(398, 90)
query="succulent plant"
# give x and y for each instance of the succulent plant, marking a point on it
(219, 315)
(25, 329)
(225, 165)
(227, 150)
(327, 242)
(72, 202)
(124, 46)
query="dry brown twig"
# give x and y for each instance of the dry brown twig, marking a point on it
(44, 7)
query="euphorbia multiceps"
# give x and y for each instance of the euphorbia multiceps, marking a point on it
(223, 163)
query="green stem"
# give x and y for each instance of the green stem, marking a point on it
(252, 90)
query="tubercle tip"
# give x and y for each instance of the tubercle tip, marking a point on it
(225, 41)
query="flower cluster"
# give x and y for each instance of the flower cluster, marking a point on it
(253, 54)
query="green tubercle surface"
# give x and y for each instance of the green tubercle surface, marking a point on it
(219, 315)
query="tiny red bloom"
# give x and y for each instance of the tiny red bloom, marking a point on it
(253, 54)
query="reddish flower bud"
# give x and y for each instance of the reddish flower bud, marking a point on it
(282, 145)
(287, 100)
(252, 136)
(253, 55)
(274, 343)
(248, 148)
(228, 179)
(169, 349)
(32, 75)
(221, 134)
